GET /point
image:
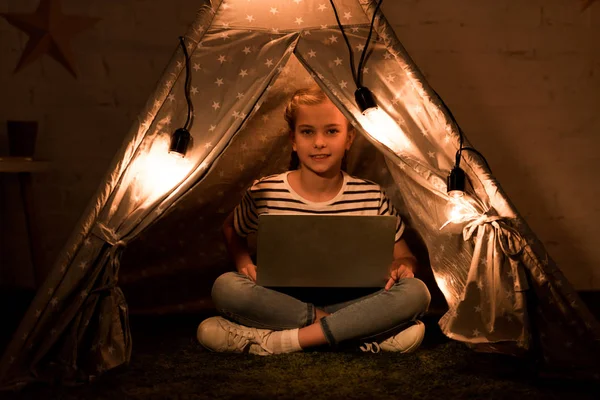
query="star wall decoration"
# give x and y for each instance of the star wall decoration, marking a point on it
(50, 32)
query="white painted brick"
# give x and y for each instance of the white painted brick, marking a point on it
(550, 39)
(83, 142)
(62, 94)
(520, 76)
(564, 13)
(451, 38)
(91, 69)
(18, 6)
(91, 8)
(10, 36)
(154, 24)
(504, 13)
(186, 12)
(16, 111)
(594, 34)
(14, 45)
(555, 69)
(594, 13)
(18, 89)
(47, 189)
(121, 66)
(117, 26)
(499, 79)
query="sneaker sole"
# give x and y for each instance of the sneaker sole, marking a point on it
(416, 344)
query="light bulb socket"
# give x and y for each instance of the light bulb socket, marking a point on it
(456, 182)
(364, 99)
(180, 141)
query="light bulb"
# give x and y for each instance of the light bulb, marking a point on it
(456, 182)
(378, 123)
(382, 127)
(456, 194)
(459, 210)
(180, 140)
(157, 171)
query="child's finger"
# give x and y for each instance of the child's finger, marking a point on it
(392, 280)
(389, 283)
(405, 273)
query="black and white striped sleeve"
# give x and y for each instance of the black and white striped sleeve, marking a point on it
(387, 208)
(245, 216)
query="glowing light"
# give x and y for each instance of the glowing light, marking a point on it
(379, 124)
(459, 209)
(443, 285)
(456, 194)
(157, 171)
(382, 127)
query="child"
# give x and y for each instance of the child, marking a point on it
(263, 321)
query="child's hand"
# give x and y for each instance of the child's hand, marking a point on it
(400, 268)
(249, 270)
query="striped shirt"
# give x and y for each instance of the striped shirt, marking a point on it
(274, 195)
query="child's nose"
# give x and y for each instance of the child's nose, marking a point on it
(320, 140)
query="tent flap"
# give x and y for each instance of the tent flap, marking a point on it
(155, 222)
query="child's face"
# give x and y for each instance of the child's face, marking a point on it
(321, 138)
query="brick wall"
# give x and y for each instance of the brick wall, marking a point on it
(82, 121)
(523, 80)
(521, 77)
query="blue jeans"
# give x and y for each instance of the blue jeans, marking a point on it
(373, 317)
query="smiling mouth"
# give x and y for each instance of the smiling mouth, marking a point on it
(319, 156)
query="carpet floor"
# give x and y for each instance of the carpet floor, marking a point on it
(168, 363)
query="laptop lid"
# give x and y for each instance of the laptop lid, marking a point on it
(324, 250)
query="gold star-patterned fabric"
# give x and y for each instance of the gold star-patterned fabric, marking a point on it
(152, 235)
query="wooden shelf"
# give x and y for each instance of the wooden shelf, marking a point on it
(22, 164)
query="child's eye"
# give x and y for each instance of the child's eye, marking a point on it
(332, 131)
(306, 131)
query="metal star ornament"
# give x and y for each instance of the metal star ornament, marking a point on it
(50, 32)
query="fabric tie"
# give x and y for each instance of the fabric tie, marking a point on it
(496, 292)
(109, 236)
(509, 239)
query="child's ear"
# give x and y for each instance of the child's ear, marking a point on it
(292, 140)
(350, 137)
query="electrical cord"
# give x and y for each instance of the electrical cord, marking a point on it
(350, 52)
(187, 83)
(480, 155)
(358, 81)
(356, 74)
(461, 146)
(364, 52)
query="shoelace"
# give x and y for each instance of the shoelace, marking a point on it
(241, 337)
(372, 347)
(260, 339)
(238, 337)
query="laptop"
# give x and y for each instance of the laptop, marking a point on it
(324, 251)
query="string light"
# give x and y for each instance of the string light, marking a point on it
(157, 172)
(380, 124)
(377, 122)
(181, 138)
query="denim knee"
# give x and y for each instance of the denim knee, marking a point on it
(415, 290)
(224, 290)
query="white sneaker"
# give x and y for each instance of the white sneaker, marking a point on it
(221, 335)
(406, 341)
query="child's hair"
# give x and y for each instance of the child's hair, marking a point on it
(309, 96)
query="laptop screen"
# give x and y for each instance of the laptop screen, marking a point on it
(303, 250)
